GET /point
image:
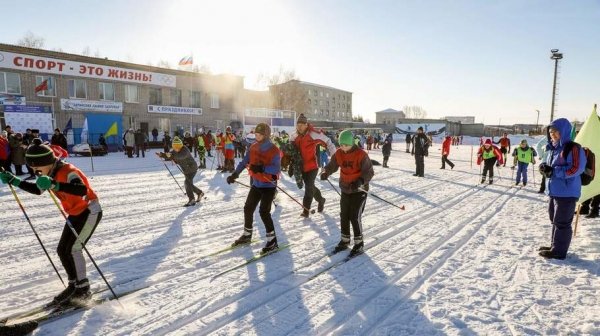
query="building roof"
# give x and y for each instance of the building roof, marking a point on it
(390, 110)
(312, 84)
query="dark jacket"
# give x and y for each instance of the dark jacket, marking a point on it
(420, 145)
(386, 149)
(59, 140)
(408, 138)
(185, 160)
(139, 138)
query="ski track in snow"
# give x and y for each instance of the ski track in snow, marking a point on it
(461, 259)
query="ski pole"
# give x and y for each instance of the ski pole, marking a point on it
(381, 199)
(576, 220)
(334, 188)
(34, 231)
(533, 174)
(290, 196)
(70, 225)
(173, 176)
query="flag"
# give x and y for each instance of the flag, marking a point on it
(42, 87)
(188, 60)
(68, 127)
(112, 130)
(84, 132)
(589, 136)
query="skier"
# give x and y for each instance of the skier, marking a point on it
(504, 147)
(306, 139)
(446, 152)
(523, 155)
(181, 155)
(356, 171)
(229, 150)
(490, 155)
(201, 151)
(78, 200)
(386, 149)
(420, 149)
(166, 142)
(263, 163)
(562, 170)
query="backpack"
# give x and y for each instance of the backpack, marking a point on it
(589, 171)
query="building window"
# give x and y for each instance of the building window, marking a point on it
(131, 94)
(195, 99)
(175, 97)
(309, 92)
(214, 100)
(10, 83)
(107, 91)
(309, 102)
(155, 95)
(344, 105)
(51, 92)
(77, 89)
(316, 111)
(327, 102)
(321, 93)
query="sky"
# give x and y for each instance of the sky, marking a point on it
(488, 59)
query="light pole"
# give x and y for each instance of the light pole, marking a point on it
(537, 122)
(555, 56)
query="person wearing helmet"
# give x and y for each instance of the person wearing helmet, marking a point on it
(263, 162)
(356, 170)
(78, 200)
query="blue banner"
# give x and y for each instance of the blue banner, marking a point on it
(27, 109)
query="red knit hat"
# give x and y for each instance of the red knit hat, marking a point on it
(488, 142)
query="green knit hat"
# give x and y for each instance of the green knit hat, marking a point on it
(177, 142)
(346, 138)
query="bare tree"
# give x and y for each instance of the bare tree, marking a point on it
(97, 53)
(204, 68)
(31, 40)
(283, 75)
(415, 112)
(286, 91)
(86, 51)
(163, 64)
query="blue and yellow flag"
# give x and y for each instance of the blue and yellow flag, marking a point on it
(112, 130)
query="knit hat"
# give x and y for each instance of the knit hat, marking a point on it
(177, 143)
(39, 155)
(302, 119)
(263, 129)
(346, 138)
(488, 142)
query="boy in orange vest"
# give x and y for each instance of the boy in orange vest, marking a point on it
(356, 171)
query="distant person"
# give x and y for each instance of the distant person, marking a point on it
(542, 154)
(523, 156)
(154, 134)
(446, 152)
(420, 150)
(504, 147)
(5, 152)
(408, 142)
(139, 140)
(386, 149)
(166, 142)
(59, 139)
(102, 142)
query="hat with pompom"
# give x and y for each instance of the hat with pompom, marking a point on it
(39, 155)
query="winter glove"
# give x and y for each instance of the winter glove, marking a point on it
(354, 185)
(546, 170)
(324, 176)
(9, 178)
(45, 182)
(231, 178)
(257, 168)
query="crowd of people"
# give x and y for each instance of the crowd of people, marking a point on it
(305, 154)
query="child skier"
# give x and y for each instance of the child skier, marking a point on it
(78, 200)
(523, 155)
(201, 151)
(490, 155)
(181, 155)
(356, 171)
(263, 163)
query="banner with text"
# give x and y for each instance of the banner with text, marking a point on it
(91, 105)
(174, 109)
(73, 68)
(11, 99)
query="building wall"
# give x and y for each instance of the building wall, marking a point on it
(389, 118)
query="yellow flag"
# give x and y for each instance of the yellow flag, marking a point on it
(589, 136)
(112, 130)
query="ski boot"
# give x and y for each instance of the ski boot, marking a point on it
(357, 249)
(342, 245)
(190, 203)
(82, 293)
(271, 243)
(491, 181)
(64, 296)
(245, 239)
(321, 205)
(304, 213)
(482, 180)
(200, 195)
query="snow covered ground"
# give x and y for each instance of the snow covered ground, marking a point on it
(460, 259)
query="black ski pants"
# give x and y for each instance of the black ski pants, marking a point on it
(190, 188)
(445, 160)
(420, 163)
(310, 191)
(351, 209)
(488, 167)
(70, 250)
(265, 197)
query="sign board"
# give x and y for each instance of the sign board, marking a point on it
(11, 99)
(27, 109)
(57, 66)
(91, 105)
(174, 109)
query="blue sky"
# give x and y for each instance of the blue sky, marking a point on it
(488, 59)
